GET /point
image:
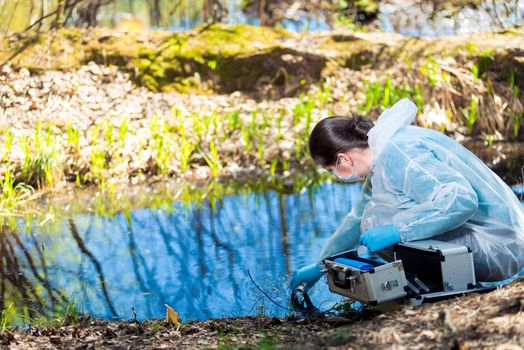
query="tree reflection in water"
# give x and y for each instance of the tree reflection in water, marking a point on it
(192, 257)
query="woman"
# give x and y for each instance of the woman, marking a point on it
(419, 184)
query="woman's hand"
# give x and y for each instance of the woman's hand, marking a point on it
(380, 237)
(309, 275)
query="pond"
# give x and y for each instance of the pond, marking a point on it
(410, 18)
(419, 20)
(193, 257)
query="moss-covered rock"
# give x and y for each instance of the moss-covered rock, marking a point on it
(69, 48)
(229, 58)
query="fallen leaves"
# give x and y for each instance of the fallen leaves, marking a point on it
(404, 328)
(172, 316)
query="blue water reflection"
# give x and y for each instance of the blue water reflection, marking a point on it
(196, 258)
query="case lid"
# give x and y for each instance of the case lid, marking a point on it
(444, 248)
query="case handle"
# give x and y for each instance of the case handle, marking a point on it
(345, 282)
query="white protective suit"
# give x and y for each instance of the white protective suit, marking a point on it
(430, 186)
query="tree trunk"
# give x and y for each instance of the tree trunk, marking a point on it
(155, 13)
(60, 11)
(205, 10)
(262, 12)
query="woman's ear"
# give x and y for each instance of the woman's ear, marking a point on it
(342, 156)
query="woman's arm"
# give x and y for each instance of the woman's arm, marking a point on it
(347, 235)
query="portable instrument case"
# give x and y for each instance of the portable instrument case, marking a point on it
(421, 271)
(384, 282)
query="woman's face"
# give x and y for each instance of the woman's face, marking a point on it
(353, 163)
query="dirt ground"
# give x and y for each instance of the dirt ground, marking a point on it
(492, 320)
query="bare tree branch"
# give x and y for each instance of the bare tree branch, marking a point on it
(42, 18)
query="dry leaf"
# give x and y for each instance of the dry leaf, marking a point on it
(172, 315)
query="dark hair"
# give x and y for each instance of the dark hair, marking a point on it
(337, 134)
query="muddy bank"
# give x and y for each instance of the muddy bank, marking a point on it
(493, 320)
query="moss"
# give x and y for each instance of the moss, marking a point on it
(72, 47)
(203, 50)
(72, 34)
(216, 41)
(230, 40)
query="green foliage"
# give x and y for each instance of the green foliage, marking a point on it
(73, 138)
(513, 83)
(489, 141)
(471, 114)
(124, 128)
(346, 23)
(186, 151)
(212, 158)
(5, 318)
(475, 71)
(168, 146)
(485, 62)
(8, 145)
(98, 165)
(431, 70)
(64, 315)
(381, 95)
(161, 143)
(267, 343)
(517, 121)
(40, 153)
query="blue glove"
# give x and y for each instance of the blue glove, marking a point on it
(309, 275)
(380, 237)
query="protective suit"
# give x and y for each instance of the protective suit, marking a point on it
(429, 186)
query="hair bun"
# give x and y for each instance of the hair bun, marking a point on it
(360, 127)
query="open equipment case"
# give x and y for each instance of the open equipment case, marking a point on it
(422, 271)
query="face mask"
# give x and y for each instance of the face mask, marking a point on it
(354, 177)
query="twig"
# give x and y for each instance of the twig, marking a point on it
(267, 295)
(317, 312)
(252, 307)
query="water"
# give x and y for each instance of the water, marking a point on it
(189, 15)
(194, 258)
(401, 16)
(398, 16)
(415, 20)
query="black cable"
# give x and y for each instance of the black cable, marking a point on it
(267, 295)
